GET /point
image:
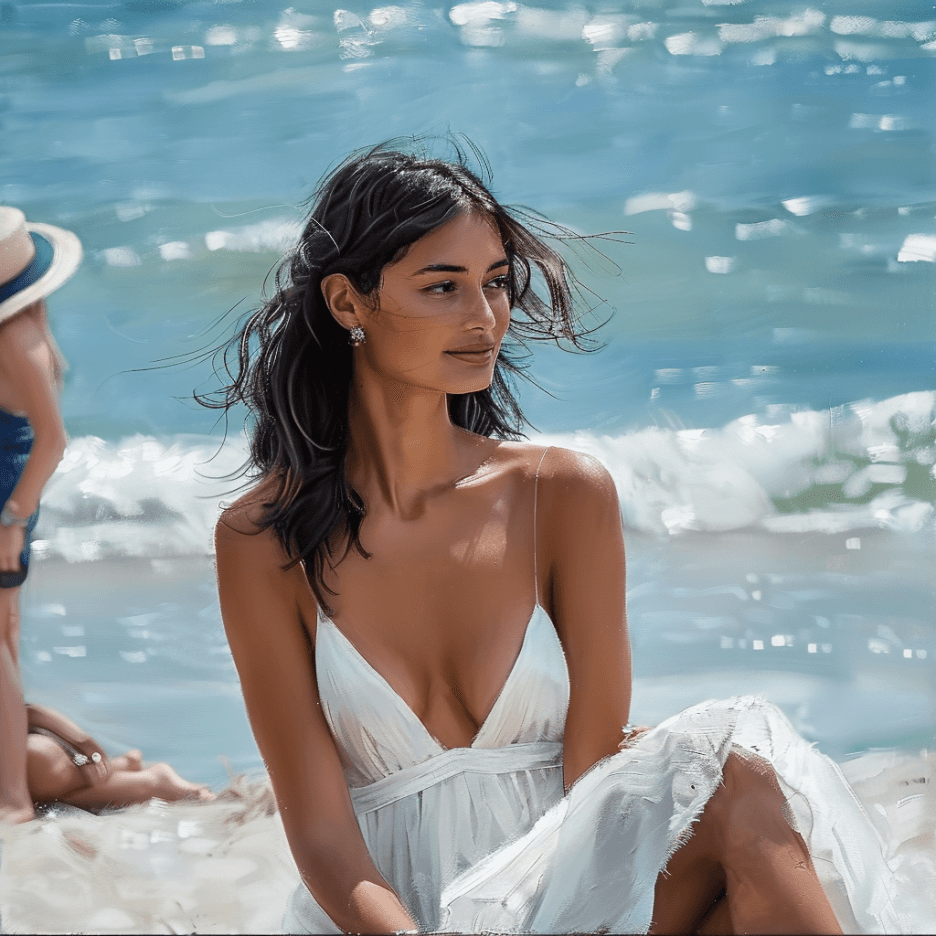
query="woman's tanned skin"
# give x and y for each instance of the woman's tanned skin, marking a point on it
(30, 368)
(53, 777)
(441, 607)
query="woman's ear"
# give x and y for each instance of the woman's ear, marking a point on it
(342, 299)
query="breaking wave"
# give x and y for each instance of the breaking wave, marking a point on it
(866, 465)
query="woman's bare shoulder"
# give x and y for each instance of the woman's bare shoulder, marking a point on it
(253, 564)
(241, 531)
(575, 492)
(246, 514)
(559, 466)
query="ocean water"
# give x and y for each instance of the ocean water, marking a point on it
(765, 398)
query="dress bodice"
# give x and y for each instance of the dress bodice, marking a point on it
(484, 838)
(380, 735)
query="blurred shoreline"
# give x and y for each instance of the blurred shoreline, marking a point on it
(834, 628)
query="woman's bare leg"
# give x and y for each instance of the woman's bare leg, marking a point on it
(54, 778)
(15, 803)
(50, 772)
(717, 922)
(132, 760)
(743, 845)
(126, 787)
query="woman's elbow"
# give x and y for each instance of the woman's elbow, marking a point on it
(56, 448)
(51, 441)
(61, 444)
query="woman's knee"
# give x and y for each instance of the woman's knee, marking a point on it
(692, 880)
(751, 807)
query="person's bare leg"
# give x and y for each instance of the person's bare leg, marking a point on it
(50, 772)
(15, 803)
(742, 844)
(131, 760)
(54, 778)
(771, 882)
(125, 787)
(717, 922)
(692, 882)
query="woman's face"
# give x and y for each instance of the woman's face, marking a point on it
(440, 312)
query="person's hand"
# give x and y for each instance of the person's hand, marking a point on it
(631, 734)
(91, 760)
(12, 540)
(96, 768)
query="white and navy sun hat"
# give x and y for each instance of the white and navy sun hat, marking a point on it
(35, 259)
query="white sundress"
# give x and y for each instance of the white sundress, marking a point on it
(482, 838)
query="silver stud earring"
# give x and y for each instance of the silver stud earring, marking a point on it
(356, 336)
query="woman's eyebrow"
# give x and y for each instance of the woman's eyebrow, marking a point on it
(452, 268)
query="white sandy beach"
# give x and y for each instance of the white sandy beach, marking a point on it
(225, 867)
(222, 867)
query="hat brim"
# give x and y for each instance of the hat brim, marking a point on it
(66, 259)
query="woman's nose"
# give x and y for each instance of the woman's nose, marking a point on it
(480, 314)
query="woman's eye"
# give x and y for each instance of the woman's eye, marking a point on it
(438, 289)
(448, 286)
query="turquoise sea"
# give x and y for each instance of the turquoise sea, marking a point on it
(767, 391)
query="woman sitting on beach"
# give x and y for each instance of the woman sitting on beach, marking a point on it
(428, 617)
(65, 765)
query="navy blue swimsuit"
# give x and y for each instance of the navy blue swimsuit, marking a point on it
(16, 439)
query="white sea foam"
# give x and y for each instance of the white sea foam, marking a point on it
(175, 250)
(141, 496)
(120, 256)
(918, 247)
(767, 27)
(868, 465)
(761, 229)
(739, 475)
(806, 205)
(221, 36)
(660, 201)
(691, 43)
(720, 264)
(275, 234)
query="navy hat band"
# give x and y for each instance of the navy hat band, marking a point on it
(34, 272)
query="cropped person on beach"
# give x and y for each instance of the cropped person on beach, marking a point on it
(427, 615)
(35, 260)
(65, 765)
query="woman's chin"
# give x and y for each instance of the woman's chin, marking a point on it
(474, 386)
(472, 379)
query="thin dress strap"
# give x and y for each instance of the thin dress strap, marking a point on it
(535, 497)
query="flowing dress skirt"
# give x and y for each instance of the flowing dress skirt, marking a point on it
(489, 844)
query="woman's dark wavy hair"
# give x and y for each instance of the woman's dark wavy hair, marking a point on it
(290, 362)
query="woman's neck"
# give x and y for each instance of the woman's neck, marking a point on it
(404, 446)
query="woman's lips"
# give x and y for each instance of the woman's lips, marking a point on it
(473, 356)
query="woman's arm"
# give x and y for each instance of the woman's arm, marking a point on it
(39, 716)
(96, 768)
(26, 363)
(582, 543)
(263, 609)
